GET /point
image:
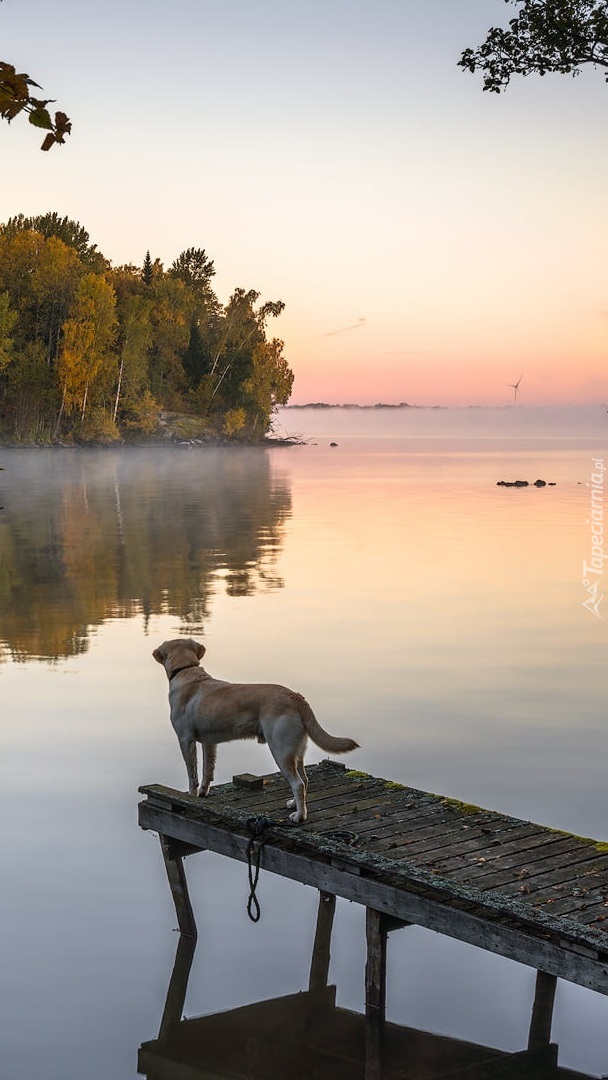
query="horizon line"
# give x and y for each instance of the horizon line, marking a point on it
(409, 405)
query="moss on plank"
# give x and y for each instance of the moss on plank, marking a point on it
(463, 807)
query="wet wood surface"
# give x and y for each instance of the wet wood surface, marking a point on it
(511, 886)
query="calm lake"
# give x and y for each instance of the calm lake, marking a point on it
(435, 617)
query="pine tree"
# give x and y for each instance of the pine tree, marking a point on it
(147, 273)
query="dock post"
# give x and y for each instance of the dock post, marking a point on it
(375, 968)
(377, 929)
(319, 967)
(173, 853)
(178, 985)
(542, 1011)
(375, 992)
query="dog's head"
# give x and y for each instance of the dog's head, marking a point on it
(179, 654)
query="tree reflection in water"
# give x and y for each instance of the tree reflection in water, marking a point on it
(89, 535)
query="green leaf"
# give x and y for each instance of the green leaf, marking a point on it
(41, 118)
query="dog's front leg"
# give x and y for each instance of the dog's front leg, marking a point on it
(209, 756)
(188, 749)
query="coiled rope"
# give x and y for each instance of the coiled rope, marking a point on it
(257, 827)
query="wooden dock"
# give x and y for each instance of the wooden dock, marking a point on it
(524, 891)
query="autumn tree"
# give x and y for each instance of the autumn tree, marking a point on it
(94, 353)
(87, 338)
(545, 36)
(133, 344)
(195, 269)
(242, 329)
(54, 281)
(65, 229)
(170, 319)
(29, 397)
(8, 318)
(19, 254)
(268, 385)
(40, 277)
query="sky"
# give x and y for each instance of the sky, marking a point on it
(432, 243)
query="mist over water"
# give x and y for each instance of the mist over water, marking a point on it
(472, 423)
(434, 617)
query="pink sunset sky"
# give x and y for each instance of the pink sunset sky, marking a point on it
(431, 242)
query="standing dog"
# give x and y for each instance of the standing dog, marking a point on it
(210, 711)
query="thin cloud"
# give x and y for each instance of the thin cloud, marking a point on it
(346, 329)
(411, 352)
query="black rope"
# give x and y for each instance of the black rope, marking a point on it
(257, 827)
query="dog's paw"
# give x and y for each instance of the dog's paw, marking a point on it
(290, 803)
(297, 818)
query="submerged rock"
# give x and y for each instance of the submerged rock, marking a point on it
(525, 483)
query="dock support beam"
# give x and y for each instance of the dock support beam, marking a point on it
(173, 855)
(319, 968)
(542, 1011)
(375, 968)
(375, 992)
(377, 929)
(178, 985)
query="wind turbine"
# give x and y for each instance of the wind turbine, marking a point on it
(515, 388)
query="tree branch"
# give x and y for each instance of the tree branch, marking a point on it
(16, 97)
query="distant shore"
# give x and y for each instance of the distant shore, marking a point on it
(407, 405)
(341, 405)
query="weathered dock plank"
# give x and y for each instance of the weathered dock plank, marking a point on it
(509, 886)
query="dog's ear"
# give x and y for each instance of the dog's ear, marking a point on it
(199, 649)
(158, 655)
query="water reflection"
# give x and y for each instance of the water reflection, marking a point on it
(306, 1036)
(90, 535)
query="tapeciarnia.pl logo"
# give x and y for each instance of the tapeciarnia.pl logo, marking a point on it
(593, 571)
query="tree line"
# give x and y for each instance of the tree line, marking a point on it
(95, 353)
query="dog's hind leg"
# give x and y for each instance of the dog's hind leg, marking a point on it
(188, 749)
(301, 771)
(290, 764)
(209, 756)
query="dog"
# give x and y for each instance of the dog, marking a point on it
(211, 711)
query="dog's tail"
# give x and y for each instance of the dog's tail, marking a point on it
(323, 739)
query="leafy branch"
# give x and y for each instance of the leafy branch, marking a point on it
(547, 36)
(16, 97)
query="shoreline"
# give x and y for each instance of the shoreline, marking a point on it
(213, 442)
